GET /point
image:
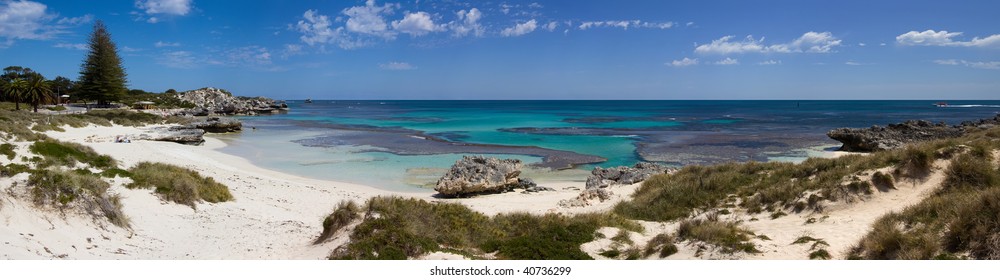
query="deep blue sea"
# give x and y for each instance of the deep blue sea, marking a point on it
(406, 145)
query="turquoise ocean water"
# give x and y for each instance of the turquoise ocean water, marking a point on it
(406, 145)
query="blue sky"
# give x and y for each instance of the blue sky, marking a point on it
(527, 49)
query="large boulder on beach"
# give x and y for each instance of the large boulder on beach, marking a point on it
(477, 174)
(878, 138)
(219, 125)
(179, 134)
(623, 175)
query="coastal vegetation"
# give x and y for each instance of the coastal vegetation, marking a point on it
(63, 190)
(178, 184)
(400, 228)
(957, 221)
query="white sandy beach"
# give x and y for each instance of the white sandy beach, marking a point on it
(277, 215)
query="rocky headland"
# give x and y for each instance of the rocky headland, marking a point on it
(215, 101)
(892, 136)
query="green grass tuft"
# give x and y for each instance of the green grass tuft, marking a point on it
(346, 212)
(67, 154)
(62, 189)
(178, 184)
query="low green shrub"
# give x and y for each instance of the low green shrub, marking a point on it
(67, 154)
(7, 149)
(398, 228)
(178, 184)
(12, 169)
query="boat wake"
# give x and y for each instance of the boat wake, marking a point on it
(971, 106)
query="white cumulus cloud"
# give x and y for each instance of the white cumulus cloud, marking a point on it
(31, 20)
(24, 20)
(467, 23)
(520, 29)
(317, 29)
(683, 62)
(769, 62)
(944, 38)
(417, 24)
(370, 19)
(810, 42)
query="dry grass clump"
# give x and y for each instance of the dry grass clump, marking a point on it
(915, 162)
(399, 228)
(729, 237)
(346, 212)
(64, 190)
(971, 171)
(178, 184)
(976, 229)
(883, 180)
(662, 244)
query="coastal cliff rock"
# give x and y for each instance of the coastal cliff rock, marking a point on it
(623, 175)
(878, 138)
(209, 101)
(477, 174)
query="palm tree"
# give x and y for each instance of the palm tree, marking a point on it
(37, 90)
(13, 89)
